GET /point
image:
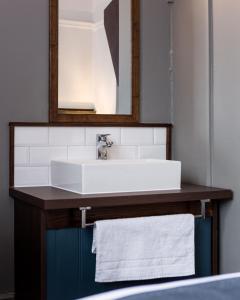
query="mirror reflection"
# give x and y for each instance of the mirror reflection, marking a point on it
(95, 57)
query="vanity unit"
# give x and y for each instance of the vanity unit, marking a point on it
(53, 258)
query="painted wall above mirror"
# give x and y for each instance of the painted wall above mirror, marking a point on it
(94, 60)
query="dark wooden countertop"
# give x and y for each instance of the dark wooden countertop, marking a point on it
(50, 198)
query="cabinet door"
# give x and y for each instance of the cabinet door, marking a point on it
(71, 265)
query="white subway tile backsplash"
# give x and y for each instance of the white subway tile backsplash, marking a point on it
(35, 136)
(42, 156)
(160, 136)
(39, 156)
(31, 176)
(91, 133)
(137, 136)
(123, 152)
(155, 152)
(21, 156)
(81, 152)
(58, 153)
(60, 136)
(35, 147)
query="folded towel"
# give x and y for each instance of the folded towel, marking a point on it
(144, 248)
(76, 105)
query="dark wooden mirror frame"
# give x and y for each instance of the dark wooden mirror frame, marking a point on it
(58, 116)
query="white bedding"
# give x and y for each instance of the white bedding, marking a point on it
(117, 294)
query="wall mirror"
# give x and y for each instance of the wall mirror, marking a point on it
(94, 61)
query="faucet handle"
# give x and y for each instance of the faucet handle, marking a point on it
(109, 142)
(105, 138)
(102, 137)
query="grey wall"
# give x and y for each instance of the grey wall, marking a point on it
(23, 97)
(226, 127)
(191, 89)
(155, 87)
(206, 134)
(24, 87)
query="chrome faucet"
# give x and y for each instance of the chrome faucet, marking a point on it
(103, 143)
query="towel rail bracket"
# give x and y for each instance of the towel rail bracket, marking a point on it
(84, 223)
(203, 209)
(84, 211)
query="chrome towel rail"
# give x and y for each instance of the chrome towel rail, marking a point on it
(84, 210)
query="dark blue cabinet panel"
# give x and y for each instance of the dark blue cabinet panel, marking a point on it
(203, 247)
(71, 265)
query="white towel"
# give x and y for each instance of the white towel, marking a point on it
(144, 248)
(76, 105)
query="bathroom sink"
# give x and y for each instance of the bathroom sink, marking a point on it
(116, 176)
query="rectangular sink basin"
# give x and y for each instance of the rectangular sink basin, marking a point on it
(116, 176)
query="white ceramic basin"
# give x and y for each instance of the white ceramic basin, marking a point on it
(116, 176)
